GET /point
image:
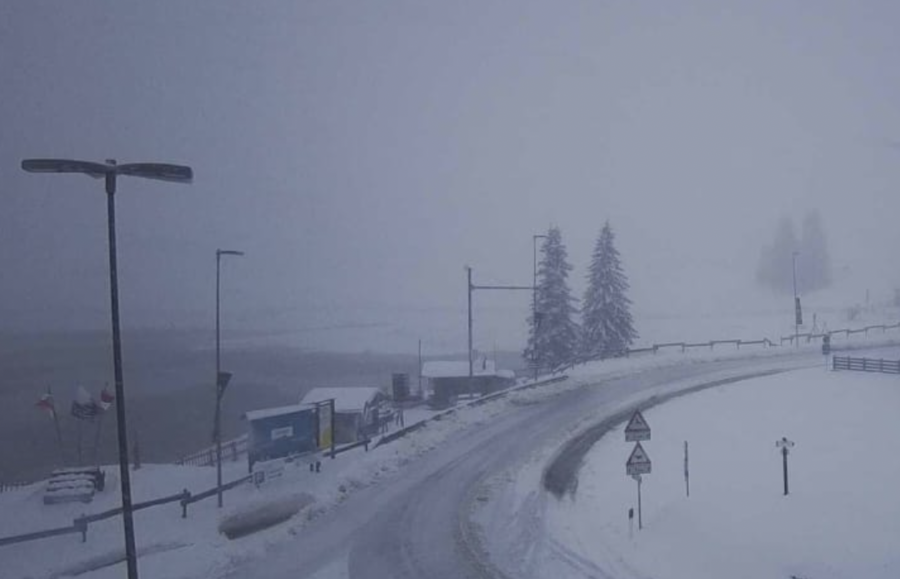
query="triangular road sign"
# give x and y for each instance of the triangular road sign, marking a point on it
(637, 428)
(638, 462)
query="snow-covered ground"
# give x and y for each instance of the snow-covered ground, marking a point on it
(841, 519)
(180, 548)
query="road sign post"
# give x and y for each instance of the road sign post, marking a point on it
(687, 474)
(784, 444)
(637, 428)
(638, 462)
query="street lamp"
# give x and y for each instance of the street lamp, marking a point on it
(797, 314)
(110, 171)
(534, 322)
(222, 378)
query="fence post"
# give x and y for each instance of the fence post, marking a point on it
(234, 451)
(81, 524)
(185, 497)
(738, 343)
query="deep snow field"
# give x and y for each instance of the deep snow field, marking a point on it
(841, 518)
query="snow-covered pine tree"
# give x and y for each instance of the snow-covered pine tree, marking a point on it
(607, 325)
(554, 339)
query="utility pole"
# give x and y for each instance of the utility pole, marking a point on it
(534, 320)
(797, 314)
(472, 287)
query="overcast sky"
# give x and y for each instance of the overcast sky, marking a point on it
(362, 153)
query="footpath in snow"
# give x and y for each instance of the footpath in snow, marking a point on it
(841, 519)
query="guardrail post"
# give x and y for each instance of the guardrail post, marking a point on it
(80, 523)
(738, 344)
(185, 497)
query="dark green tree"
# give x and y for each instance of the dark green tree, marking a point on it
(607, 325)
(554, 339)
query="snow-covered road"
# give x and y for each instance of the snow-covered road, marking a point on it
(417, 523)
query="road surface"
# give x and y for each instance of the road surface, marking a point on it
(415, 523)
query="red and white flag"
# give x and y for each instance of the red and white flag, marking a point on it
(106, 398)
(46, 403)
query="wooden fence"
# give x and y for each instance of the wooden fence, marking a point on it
(82, 523)
(865, 365)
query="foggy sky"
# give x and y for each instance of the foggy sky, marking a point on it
(362, 153)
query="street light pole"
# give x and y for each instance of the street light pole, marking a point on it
(796, 301)
(110, 171)
(534, 323)
(469, 284)
(221, 381)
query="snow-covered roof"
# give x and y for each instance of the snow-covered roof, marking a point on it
(276, 411)
(345, 399)
(457, 369)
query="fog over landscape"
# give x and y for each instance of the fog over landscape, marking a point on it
(362, 154)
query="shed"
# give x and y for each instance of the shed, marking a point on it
(448, 380)
(357, 410)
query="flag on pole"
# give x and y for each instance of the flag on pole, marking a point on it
(106, 399)
(45, 402)
(84, 407)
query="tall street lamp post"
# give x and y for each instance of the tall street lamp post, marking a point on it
(797, 319)
(222, 378)
(109, 172)
(534, 322)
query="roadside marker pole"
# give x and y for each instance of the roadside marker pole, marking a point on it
(687, 476)
(784, 444)
(640, 513)
(638, 462)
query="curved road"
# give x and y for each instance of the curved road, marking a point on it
(414, 524)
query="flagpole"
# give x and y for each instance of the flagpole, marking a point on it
(80, 462)
(59, 438)
(97, 439)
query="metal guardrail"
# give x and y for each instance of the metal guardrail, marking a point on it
(207, 457)
(82, 523)
(865, 364)
(11, 486)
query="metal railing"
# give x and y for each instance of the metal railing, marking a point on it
(865, 364)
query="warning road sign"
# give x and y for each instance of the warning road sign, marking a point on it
(637, 428)
(638, 462)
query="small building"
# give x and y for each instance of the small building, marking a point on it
(448, 380)
(358, 411)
